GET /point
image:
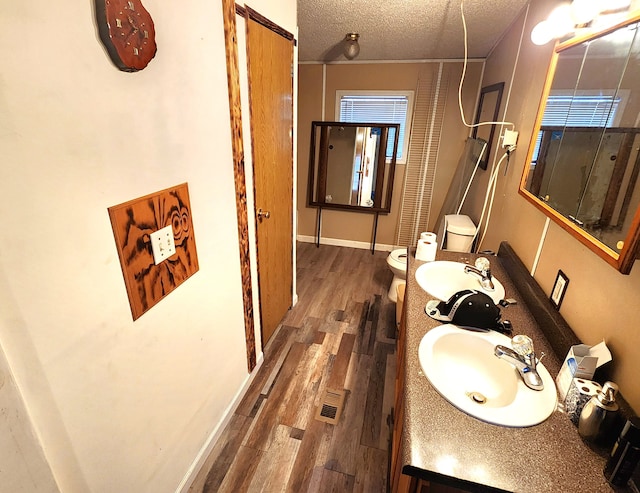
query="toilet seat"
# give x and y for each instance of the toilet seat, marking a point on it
(398, 259)
(397, 262)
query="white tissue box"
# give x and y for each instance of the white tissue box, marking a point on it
(581, 362)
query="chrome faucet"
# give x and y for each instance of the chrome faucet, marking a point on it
(483, 269)
(523, 358)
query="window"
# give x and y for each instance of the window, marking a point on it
(379, 107)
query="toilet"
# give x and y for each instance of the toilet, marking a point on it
(397, 262)
(460, 232)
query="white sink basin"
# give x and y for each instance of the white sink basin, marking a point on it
(462, 367)
(442, 279)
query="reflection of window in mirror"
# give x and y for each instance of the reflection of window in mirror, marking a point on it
(574, 109)
(379, 107)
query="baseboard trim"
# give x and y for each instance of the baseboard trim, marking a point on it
(363, 245)
(206, 449)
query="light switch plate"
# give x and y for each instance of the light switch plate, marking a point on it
(162, 244)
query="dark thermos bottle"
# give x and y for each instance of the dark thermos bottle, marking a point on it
(625, 454)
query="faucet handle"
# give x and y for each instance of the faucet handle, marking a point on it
(522, 345)
(482, 264)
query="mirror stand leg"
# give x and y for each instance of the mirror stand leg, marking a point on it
(319, 222)
(375, 232)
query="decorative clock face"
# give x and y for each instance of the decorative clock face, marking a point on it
(127, 31)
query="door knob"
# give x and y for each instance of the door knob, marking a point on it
(263, 214)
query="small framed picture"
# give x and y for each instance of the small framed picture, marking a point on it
(559, 289)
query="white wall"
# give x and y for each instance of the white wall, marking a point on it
(23, 467)
(117, 405)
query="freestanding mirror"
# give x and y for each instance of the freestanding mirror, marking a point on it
(584, 155)
(352, 165)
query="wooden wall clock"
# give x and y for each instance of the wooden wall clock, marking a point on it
(128, 33)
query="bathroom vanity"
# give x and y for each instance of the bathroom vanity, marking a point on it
(436, 444)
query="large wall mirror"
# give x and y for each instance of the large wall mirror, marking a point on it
(352, 165)
(584, 155)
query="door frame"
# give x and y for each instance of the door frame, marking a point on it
(230, 9)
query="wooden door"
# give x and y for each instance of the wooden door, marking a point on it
(270, 59)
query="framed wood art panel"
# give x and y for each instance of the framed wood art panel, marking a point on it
(133, 222)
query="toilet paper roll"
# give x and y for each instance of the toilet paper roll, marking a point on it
(426, 250)
(579, 393)
(428, 235)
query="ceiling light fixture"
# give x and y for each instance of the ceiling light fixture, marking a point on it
(351, 46)
(569, 17)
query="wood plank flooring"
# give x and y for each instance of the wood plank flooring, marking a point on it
(340, 336)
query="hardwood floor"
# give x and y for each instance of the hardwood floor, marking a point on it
(339, 337)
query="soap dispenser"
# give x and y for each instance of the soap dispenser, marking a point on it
(598, 416)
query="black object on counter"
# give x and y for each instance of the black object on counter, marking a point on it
(469, 309)
(625, 454)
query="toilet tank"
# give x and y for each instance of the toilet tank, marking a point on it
(460, 232)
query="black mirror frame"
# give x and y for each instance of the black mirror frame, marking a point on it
(499, 88)
(381, 196)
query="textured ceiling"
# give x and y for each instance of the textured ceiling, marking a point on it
(402, 29)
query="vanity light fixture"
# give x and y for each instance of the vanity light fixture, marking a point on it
(566, 18)
(351, 46)
(584, 11)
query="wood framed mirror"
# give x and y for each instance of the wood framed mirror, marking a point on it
(584, 159)
(352, 165)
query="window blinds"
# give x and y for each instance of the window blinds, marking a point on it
(422, 159)
(377, 109)
(577, 111)
(580, 111)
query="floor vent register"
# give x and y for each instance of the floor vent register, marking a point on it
(331, 407)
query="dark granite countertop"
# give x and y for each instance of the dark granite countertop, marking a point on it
(443, 444)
